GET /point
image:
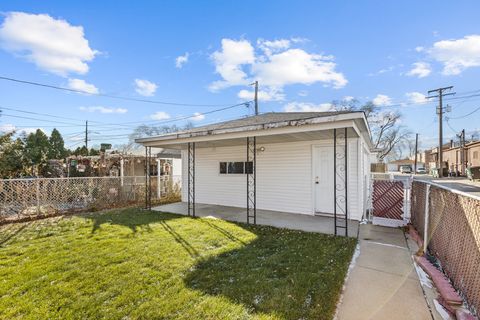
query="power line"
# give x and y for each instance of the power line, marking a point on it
(127, 125)
(36, 119)
(246, 104)
(44, 85)
(466, 115)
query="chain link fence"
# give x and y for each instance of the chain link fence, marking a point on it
(22, 199)
(453, 234)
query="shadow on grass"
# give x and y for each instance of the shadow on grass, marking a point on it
(180, 240)
(289, 274)
(132, 218)
(221, 230)
(10, 231)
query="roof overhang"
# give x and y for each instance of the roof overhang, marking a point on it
(283, 131)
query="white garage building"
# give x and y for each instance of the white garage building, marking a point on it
(308, 163)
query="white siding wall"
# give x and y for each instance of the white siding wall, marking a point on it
(284, 177)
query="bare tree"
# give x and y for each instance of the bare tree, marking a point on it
(389, 137)
(144, 130)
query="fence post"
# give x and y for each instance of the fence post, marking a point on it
(122, 171)
(426, 218)
(38, 194)
(159, 184)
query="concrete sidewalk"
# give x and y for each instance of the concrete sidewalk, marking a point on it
(383, 283)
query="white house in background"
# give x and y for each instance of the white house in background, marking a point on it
(299, 159)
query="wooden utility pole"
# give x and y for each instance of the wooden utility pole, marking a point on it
(462, 152)
(416, 152)
(440, 94)
(86, 135)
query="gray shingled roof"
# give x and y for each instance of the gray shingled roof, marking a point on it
(270, 117)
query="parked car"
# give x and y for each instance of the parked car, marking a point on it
(405, 169)
(421, 170)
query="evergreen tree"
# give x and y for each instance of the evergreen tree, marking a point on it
(12, 161)
(57, 146)
(36, 149)
(81, 151)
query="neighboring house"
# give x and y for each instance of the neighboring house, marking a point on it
(455, 157)
(118, 164)
(296, 163)
(473, 153)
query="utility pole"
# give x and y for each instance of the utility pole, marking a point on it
(416, 152)
(440, 94)
(462, 152)
(86, 135)
(256, 97)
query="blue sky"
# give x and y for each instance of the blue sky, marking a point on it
(304, 53)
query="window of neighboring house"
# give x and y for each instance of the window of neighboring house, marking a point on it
(236, 167)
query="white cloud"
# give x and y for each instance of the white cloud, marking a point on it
(382, 71)
(420, 69)
(419, 49)
(145, 87)
(103, 109)
(198, 116)
(160, 115)
(275, 65)
(303, 93)
(269, 47)
(416, 97)
(382, 100)
(229, 62)
(53, 45)
(181, 60)
(348, 98)
(81, 85)
(269, 95)
(296, 66)
(307, 107)
(9, 128)
(458, 54)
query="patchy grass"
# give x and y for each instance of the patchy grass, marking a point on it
(131, 264)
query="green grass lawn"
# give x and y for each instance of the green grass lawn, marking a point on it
(133, 264)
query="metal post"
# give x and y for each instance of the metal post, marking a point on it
(159, 182)
(149, 179)
(251, 179)
(416, 152)
(346, 183)
(191, 178)
(38, 195)
(426, 217)
(335, 180)
(122, 173)
(146, 178)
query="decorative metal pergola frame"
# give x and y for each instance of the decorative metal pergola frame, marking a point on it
(251, 180)
(340, 180)
(191, 178)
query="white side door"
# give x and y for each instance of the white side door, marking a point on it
(323, 179)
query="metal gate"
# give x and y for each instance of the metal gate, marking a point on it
(389, 202)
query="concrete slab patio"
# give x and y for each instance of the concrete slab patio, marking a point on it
(321, 224)
(383, 283)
